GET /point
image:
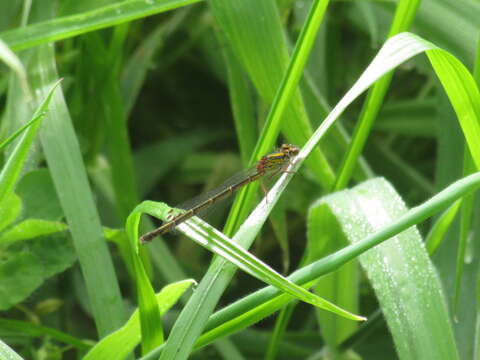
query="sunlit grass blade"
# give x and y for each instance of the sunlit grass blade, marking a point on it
(464, 95)
(412, 301)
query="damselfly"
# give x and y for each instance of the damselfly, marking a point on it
(271, 164)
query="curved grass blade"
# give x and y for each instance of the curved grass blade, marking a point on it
(14, 63)
(150, 317)
(404, 279)
(404, 15)
(215, 241)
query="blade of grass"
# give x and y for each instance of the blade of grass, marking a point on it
(74, 25)
(464, 95)
(14, 63)
(467, 208)
(242, 106)
(22, 129)
(404, 16)
(11, 171)
(466, 214)
(26, 328)
(278, 333)
(64, 159)
(121, 342)
(137, 66)
(150, 316)
(118, 144)
(402, 275)
(440, 228)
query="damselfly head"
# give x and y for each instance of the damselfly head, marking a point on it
(289, 150)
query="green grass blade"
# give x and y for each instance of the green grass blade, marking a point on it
(466, 218)
(278, 332)
(69, 176)
(340, 286)
(412, 301)
(464, 95)
(34, 330)
(440, 227)
(137, 66)
(120, 343)
(74, 25)
(19, 131)
(404, 15)
(241, 98)
(30, 229)
(11, 171)
(150, 316)
(14, 63)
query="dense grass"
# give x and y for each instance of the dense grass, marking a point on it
(163, 99)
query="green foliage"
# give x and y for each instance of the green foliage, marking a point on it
(164, 99)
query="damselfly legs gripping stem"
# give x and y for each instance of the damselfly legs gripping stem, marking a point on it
(271, 164)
